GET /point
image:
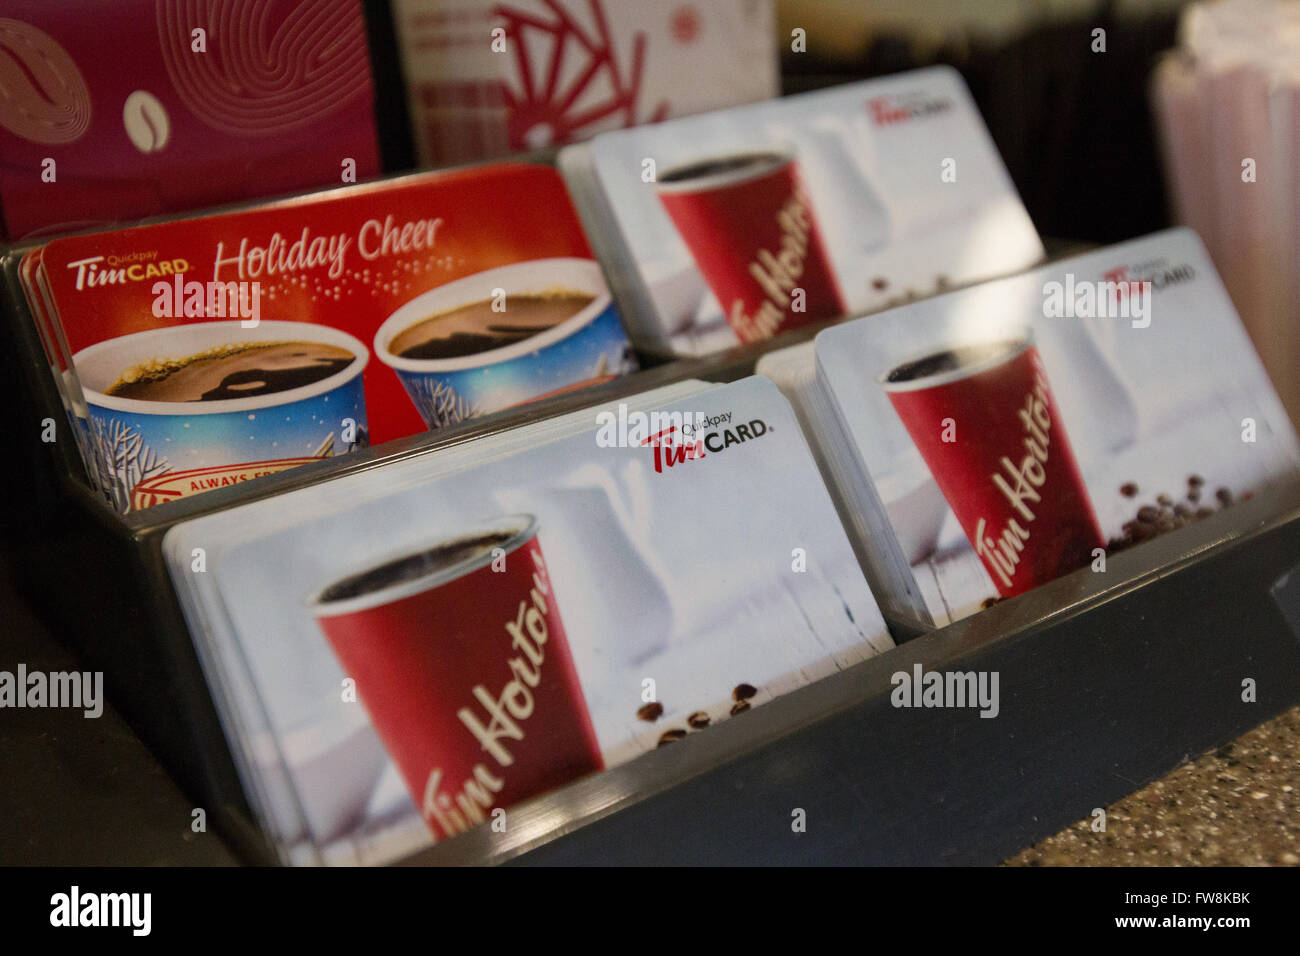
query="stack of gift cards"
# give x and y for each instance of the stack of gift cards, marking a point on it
(987, 441)
(400, 654)
(200, 353)
(736, 225)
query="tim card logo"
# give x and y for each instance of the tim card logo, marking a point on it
(1158, 272)
(674, 437)
(899, 108)
(1123, 292)
(97, 271)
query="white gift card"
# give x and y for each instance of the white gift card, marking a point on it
(747, 221)
(1024, 428)
(646, 536)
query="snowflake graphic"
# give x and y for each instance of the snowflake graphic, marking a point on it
(543, 110)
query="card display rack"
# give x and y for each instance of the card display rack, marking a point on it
(1106, 680)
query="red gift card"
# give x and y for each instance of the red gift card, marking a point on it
(206, 347)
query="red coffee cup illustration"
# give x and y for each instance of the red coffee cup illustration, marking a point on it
(986, 423)
(749, 223)
(460, 658)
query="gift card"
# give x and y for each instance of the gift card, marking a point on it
(402, 654)
(214, 350)
(1026, 428)
(742, 223)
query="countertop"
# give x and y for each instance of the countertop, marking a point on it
(1238, 805)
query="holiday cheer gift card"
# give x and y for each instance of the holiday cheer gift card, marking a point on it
(215, 102)
(214, 350)
(485, 79)
(402, 654)
(1025, 428)
(737, 225)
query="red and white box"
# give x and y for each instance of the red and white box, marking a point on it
(119, 111)
(486, 79)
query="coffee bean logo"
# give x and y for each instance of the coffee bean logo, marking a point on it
(43, 96)
(146, 122)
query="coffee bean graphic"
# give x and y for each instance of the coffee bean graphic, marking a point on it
(698, 720)
(146, 122)
(43, 96)
(651, 711)
(743, 692)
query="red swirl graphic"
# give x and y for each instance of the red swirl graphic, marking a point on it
(269, 66)
(43, 96)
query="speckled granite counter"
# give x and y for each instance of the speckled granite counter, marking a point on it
(1235, 806)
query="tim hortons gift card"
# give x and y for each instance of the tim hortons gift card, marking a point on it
(117, 111)
(403, 655)
(213, 350)
(1033, 426)
(742, 223)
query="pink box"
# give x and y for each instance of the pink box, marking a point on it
(124, 110)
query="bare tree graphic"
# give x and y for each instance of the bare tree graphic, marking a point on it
(123, 460)
(439, 403)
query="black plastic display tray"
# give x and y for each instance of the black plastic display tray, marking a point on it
(1107, 680)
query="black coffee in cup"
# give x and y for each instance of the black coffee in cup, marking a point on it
(238, 370)
(950, 360)
(740, 163)
(477, 327)
(416, 566)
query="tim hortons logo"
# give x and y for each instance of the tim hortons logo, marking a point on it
(777, 273)
(1159, 273)
(1019, 484)
(891, 110)
(502, 717)
(669, 452)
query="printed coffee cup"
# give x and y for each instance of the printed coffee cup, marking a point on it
(984, 418)
(749, 223)
(503, 337)
(189, 408)
(461, 660)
